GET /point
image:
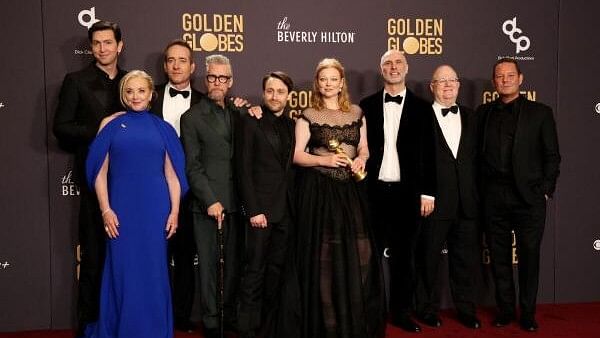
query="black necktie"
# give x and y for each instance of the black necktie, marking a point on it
(390, 98)
(453, 109)
(173, 92)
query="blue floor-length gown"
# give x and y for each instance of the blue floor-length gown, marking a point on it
(135, 298)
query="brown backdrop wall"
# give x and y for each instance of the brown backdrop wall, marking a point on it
(43, 40)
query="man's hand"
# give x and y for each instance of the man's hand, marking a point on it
(258, 221)
(427, 205)
(255, 111)
(240, 102)
(217, 212)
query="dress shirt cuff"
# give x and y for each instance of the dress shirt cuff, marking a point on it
(427, 197)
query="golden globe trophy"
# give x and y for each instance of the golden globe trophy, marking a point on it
(334, 145)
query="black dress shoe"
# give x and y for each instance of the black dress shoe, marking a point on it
(528, 324)
(430, 319)
(503, 320)
(469, 321)
(406, 324)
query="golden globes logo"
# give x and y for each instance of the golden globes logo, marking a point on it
(416, 36)
(299, 100)
(213, 32)
(489, 96)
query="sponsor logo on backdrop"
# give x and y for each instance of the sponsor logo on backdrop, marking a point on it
(597, 108)
(2, 105)
(485, 253)
(489, 96)
(4, 265)
(287, 34)
(298, 101)
(213, 32)
(87, 17)
(518, 38)
(597, 245)
(68, 186)
(423, 36)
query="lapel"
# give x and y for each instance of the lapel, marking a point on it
(375, 117)
(520, 127)
(157, 107)
(196, 96)
(268, 130)
(214, 122)
(442, 138)
(465, 120)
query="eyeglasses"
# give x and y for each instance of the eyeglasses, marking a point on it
(446, 81)
(213, 78)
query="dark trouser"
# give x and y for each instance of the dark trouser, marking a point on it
(395, 215)
(92, 241)
(182, 250)
(266, 250)
(205, 234)
(462, 238)
(504, 211)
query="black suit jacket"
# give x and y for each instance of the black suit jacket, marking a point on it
(208, 146)
(457, 177)
(535, 154)
(264, 181)
(86, 97)
(157, 105)
(414, 143)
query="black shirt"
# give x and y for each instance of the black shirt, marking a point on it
(500, 135)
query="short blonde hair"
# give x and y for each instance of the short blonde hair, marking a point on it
(134, 74)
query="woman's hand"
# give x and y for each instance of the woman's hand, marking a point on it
(111, 223)
(358, 165)
(171, 227)
(335, 161)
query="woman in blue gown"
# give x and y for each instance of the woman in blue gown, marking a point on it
(136, 166)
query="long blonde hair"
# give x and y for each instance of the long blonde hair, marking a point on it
(343, 95)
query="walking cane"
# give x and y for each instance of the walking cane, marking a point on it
(221, 278)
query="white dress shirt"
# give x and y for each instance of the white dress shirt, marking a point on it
(174, 107)
(451, 126)
(390, 164)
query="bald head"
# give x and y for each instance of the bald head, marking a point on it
(394, 68)
(444, 85)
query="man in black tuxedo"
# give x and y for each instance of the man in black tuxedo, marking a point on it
(208, 136)
(86, 97)
(519, 166)
(454, 220)
(172, 100)
(264, 152)
(401, 180)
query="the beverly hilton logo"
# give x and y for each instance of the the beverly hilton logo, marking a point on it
(68, 186)
(423, 36)
(287, 34)
(213, 32)
(597, 108)
(4, 264)
(597, 245)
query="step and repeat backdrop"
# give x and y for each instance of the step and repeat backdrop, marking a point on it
(43, 40)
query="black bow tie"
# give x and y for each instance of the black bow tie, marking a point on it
(173, 92)
(390, 98)
(453, 109)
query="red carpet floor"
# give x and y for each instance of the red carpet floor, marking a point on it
(565, 320)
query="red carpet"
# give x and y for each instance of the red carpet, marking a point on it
(564, 320)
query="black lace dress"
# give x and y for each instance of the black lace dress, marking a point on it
(339, 276)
